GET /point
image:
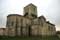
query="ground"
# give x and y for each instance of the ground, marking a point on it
(29, 38)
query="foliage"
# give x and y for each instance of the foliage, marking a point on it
(58, 32)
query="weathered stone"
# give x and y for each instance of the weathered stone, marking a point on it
(28, 24)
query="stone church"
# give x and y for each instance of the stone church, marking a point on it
(28, 24)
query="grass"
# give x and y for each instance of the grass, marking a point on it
(29, 38)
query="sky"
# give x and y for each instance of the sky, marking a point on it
(49, 8)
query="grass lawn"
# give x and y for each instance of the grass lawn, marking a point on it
(28, 38)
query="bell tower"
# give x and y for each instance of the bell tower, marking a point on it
(30, 11)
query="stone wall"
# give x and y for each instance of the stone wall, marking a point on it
(25, 26)
(1, 31)
(35, 30)
(11, 25)
(5, 31)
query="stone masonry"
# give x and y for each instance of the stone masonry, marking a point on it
(28, 24)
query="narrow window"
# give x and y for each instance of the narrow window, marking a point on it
(12, 23)
(49, 28)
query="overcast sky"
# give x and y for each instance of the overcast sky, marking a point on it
(49, 8)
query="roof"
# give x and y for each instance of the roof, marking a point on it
(50, 23)
(13, 15)
(42, 17)
(17, 15)
(30, 5)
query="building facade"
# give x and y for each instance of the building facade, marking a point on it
(28, 24)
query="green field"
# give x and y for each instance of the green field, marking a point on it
(29, 38)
